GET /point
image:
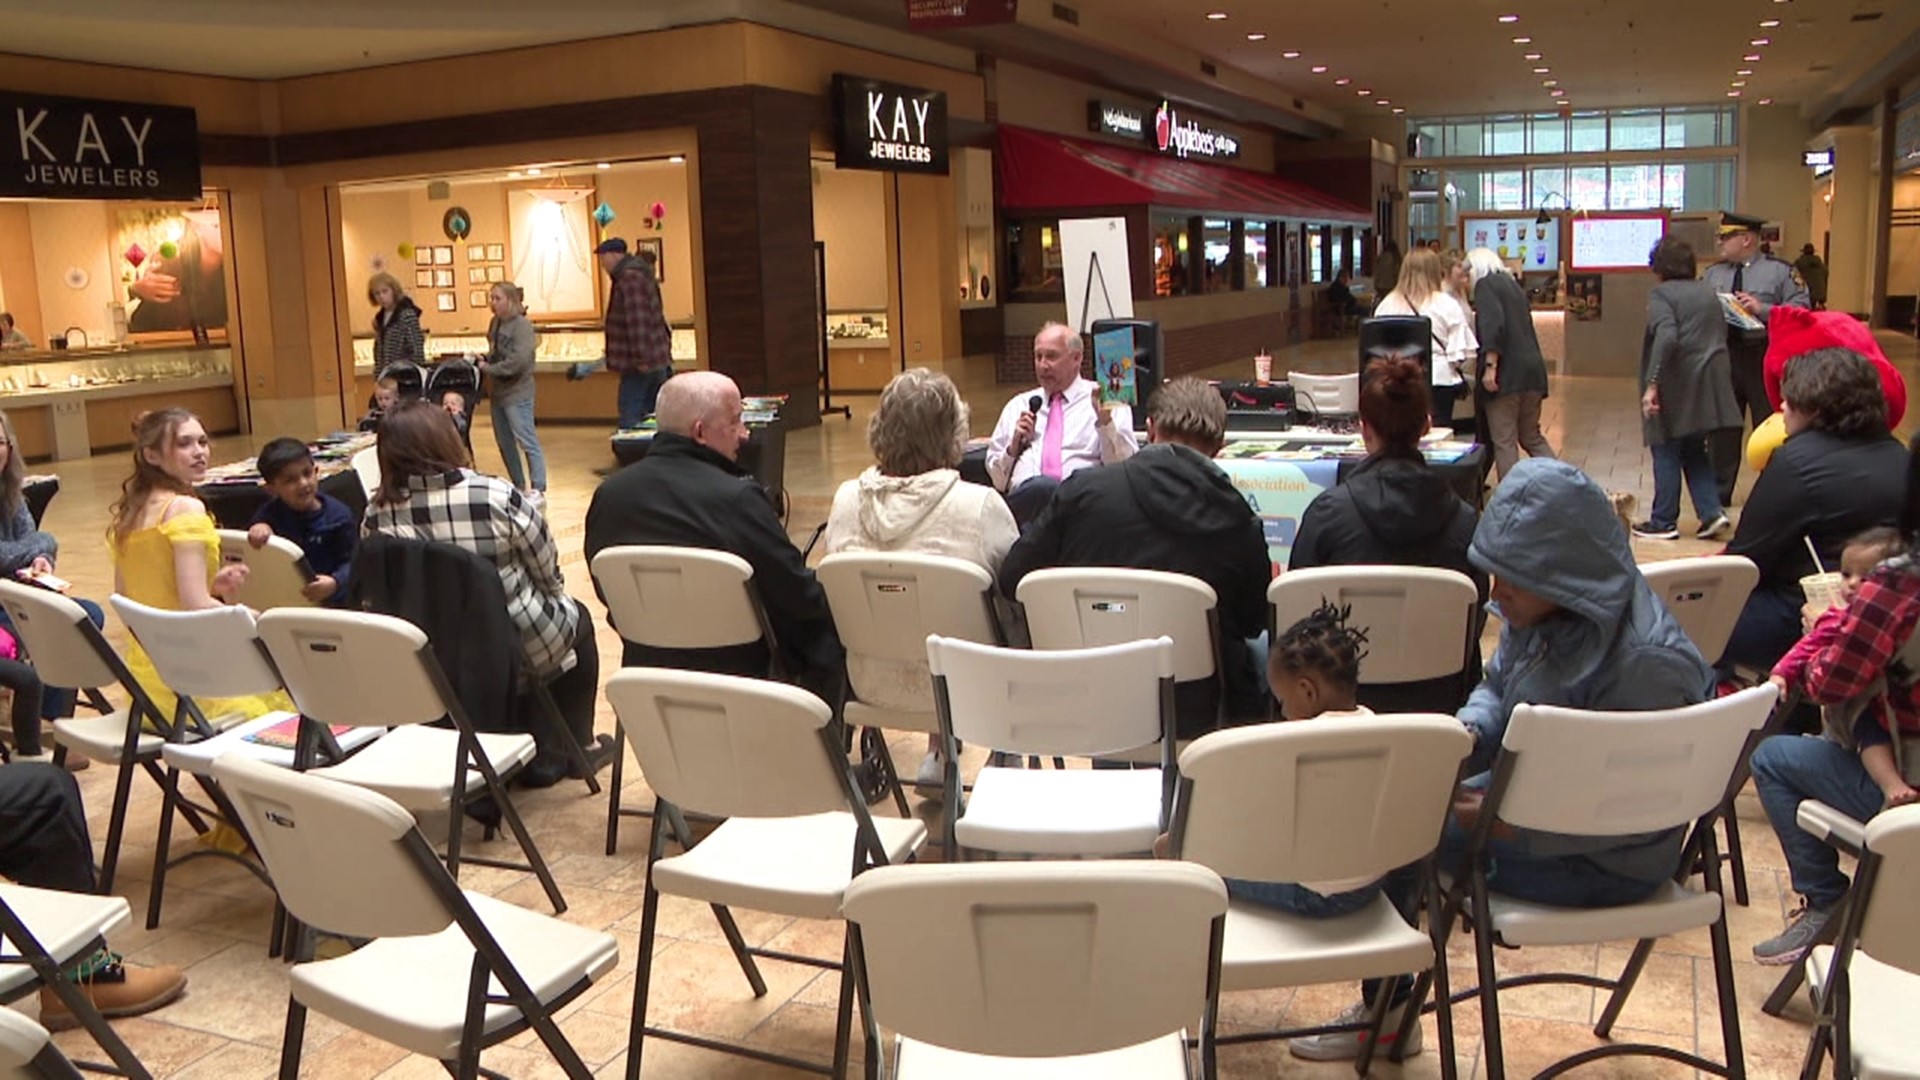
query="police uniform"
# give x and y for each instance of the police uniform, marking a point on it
(1771, 282)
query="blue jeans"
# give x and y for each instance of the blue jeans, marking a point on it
(1402, 887)
(639, 392)
(512, 430)
(1683, 457)
(56, 702)
(1790, 768)
(1514, 870)
(1768, 626)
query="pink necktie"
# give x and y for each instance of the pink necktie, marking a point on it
(1056, 433)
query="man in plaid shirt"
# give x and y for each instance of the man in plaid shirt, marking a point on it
(1858, 780)
(639, 342)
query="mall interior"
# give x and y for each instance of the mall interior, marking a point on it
(194, 196)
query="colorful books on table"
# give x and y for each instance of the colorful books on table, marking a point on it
(285, 735)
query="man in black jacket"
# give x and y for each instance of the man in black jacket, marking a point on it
(1168, 507)
(689, 491)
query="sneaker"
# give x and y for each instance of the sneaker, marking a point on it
(929, 782)
(116, 990)
(1791, 944)
(1647, 530)
(1346, 1045)
(1715, 529)
(576, 372)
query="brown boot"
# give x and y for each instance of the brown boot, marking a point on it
(117, 990)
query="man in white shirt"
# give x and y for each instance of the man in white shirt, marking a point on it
(1033, 449)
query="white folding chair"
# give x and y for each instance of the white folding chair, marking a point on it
(275, 573)
(665, 597)
(1074, 702)
(1420, 621)
(1086, 607)
(43, 932)
(448, 972)
(1604, 774)
(355, 669)
(1038, 970)
(27, 1051)
(884, 606)
(68, 650)
(1328, 393)
(763, 756)
(1342, 801)
(366, 465)
(1867, 986)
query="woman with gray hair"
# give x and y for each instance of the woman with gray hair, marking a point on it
(1513, 373)
(913, 500)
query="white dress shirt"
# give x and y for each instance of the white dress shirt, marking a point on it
(1083, 442)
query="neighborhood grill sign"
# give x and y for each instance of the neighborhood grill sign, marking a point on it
(1106, 118)
(1185, 138)
(888, 127)
(79, 148)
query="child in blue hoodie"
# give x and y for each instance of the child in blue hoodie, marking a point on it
(299, 511)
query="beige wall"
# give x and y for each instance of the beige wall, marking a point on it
(1029, 97)
(70, 234)
(1773, 184)
(1903, 256)
(850, 217)
(630, 191)
(228, 106)
(19, 277)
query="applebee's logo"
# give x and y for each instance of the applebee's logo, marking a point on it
(1163, 127)
(1169, 133)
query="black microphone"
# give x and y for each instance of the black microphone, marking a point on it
(1033, 410)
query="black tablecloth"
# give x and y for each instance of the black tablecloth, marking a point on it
(764, 457)
(233, 505)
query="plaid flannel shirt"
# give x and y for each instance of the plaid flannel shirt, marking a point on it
(1866, 644)
(637, 336)
(489, 517)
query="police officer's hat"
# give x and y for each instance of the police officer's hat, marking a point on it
(1731, 223)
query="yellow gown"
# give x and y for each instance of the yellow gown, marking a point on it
(144, 560)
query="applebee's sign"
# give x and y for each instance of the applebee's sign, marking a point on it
(1186, 138)
(78, 148)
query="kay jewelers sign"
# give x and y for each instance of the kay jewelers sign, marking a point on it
(888, 127)
(79, 148)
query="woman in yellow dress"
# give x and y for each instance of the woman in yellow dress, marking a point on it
(165, 551)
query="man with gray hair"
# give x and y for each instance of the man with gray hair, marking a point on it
(689, 491)
(1168, 507)
(1055, 430)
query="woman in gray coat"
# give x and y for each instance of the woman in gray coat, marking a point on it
(1686, 391)
(1513, 373)
(509, 368)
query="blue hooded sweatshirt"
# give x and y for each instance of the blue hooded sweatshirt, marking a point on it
(1551, 531)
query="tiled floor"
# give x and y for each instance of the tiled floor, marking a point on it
(228, 1026)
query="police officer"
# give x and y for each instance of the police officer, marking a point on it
(1757, 282)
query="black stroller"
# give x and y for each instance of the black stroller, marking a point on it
(458, 375)
(412, 382)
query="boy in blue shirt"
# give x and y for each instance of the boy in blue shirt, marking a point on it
(320, 524)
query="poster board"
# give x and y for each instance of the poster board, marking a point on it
(1615, 242)
(1519, 239)
(1095, 270)
(1279, 493)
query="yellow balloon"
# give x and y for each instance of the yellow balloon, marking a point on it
(405, 250)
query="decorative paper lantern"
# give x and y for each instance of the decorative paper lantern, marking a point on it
(405, 249)
(603, 215)
(379, 263)
(658, 211)
(136, 255)
(169, 250)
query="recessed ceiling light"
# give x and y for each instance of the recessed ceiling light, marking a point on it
(1290, 54)
(1364, 93)
(1556, 93)
(1751, 58)
(1768, 24)
(1738, 83)
(678, 159)
(514, 175)
(1397, 110)
(1743, 72)
(1531, 56)
(1764, 101)
(1216, 16)
(1733, 93)
(1319, 69)
(1550, 82)
(603, 165)
(1342, 81)
(1383, 101)
(1760, 42)
(1543, 71)
(1509, 18)
(1523, 41)
(1256, 37)
(533, 172)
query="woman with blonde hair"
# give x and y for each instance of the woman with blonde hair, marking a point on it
(1422, 291)
(509, 368)
(912, 499)
(397, 337)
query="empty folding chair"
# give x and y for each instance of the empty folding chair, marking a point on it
(1867, 985)
(885, 605)
(1038, 970)
(1339, 803)
(1422, 623)
(276, 573)
(366, 465)
(1601, 774)
(68, 650)
(27, 1051)
(43, 932)
(448, 972)
(664, 597)
(1327, 395)
(763, 756)
(1100, 702)
(354, 669)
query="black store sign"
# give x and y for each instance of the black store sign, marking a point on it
(888, 127)
(78, 148)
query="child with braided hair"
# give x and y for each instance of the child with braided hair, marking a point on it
(1314, 668)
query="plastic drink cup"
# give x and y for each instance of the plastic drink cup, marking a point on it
(1263, 369)
(1823, 590)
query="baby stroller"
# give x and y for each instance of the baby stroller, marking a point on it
(412, 382)
(461, 376)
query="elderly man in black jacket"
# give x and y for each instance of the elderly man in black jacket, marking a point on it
(1168, 507)
(689, 491)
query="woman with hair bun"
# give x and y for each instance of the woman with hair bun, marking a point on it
(1394, 509)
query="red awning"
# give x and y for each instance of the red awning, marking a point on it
(1039, 171)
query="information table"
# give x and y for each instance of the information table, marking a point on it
(233, 493)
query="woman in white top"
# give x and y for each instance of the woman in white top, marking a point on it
(1422, 291)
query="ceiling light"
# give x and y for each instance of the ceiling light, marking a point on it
(1751, 58)
(1768, 24)
(1397, 110)
(1290, 54)
(1743, 72)
(1342, 81)
(1760, 41)
(1543, 71)
(1738, 83)
(1764, 101)
(1383, 101)
(533, 171)
(604, 165)
(1733, 93)
(1549, 82)
(1509, 18)
(1216, 16)
(514, 175)
(1531, 56)
(1256, 37)
(1556, 92)
(1523, 41)
(1364, 93)
(1319, 69)
(677, 159)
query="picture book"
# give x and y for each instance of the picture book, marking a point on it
(285, 735)
(1113, 367)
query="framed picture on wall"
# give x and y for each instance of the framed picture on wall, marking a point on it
(476, 252)
(423, 279)
(443, 279)
(497, 253)
(496, 273)
(657, 246)
(423, 255)
(443, 255)
(477, 298)
(445, 301)
(476, 275)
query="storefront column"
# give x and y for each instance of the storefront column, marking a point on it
(1850, 267)
(290, 384)
(756, 224)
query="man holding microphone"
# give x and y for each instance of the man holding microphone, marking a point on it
(1051, 432)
